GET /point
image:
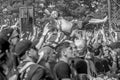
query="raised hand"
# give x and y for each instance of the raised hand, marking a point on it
(46, 29)
(105, 19)
(15, 25)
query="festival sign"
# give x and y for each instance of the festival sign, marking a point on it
(27, 20)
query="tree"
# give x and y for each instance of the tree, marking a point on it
(79, 9)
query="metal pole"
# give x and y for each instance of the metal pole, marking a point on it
(109, 13)
(23, 2)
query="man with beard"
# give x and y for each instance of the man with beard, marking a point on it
(62, 68)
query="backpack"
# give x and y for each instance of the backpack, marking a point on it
(34, 67)
(19, 72)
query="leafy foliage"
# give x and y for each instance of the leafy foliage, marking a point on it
(79, 9)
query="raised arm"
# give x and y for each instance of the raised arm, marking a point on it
(45, 31)
(98, 20)
(15, 25)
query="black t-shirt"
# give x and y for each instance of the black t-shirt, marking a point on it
(62, 70)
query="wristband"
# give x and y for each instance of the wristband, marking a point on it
(43, 35)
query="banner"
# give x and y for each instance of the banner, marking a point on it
(118, 35)
(26, 15)
(23, 12)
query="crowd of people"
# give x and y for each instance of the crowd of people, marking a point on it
(62, 52)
